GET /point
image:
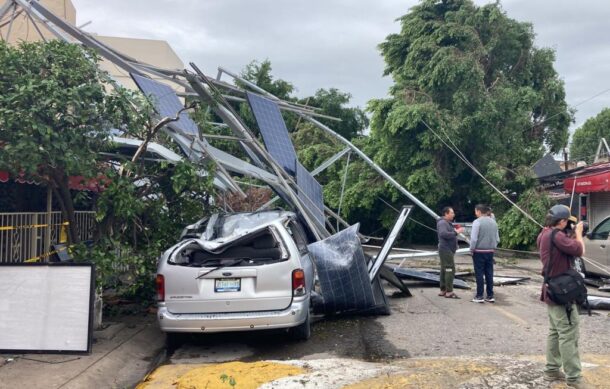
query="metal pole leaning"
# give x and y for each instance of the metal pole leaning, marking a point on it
(373, 165)
(224, 111)
(314, 172)
(4, 8)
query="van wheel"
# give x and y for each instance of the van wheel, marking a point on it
(173, 340)
(302, 331)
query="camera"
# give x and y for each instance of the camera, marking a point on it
(572, 224)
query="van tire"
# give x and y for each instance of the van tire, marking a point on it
(173, 341)
(302, 331)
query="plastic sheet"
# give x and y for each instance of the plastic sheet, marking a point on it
(342, 271)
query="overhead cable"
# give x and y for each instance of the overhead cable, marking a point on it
(461, 156)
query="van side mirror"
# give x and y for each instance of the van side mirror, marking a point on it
(589, 235)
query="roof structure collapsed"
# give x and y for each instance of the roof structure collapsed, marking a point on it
(275, 163)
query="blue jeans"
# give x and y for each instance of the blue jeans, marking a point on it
(484, 268)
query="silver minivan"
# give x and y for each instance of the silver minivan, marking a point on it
(597, 249)
(237, 272)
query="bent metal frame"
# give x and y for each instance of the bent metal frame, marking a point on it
(214, 92)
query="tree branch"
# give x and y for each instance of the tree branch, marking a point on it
(150, 133)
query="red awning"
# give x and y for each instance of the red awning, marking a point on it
(97, 184)
(593, 182)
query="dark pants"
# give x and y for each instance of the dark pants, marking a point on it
(484, 268)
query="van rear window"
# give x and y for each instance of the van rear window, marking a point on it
(250, 250)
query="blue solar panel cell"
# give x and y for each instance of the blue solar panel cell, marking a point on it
(310, 192)
(166, 103)
(274, 131)
(342, 273)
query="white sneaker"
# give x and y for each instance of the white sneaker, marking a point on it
(490, 300)
(478, 300)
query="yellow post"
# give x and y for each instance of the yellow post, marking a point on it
(63, 233)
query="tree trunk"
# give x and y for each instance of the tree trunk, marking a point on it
(67, 205)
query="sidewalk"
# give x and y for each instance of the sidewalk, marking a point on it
(122, 355)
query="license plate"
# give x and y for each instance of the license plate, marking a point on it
(227, 284)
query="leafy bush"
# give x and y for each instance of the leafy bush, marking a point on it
(518, 231)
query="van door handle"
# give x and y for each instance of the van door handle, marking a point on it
(603, 246)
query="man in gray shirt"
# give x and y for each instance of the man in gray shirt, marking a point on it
(447, 246)
(484, 239)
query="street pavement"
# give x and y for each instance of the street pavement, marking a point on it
(427, 342)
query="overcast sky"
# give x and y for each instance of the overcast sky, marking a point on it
(333, 43)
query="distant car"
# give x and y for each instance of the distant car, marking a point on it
(597, 249)
(237, 272)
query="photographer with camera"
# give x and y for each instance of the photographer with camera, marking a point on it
(557, 252)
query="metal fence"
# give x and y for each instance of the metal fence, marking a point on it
(22, 235)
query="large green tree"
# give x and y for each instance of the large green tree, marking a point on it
(586, 138)
(57, 110)
(473, 76)
(55, 113)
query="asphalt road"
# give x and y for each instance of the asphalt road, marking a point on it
(424, 325)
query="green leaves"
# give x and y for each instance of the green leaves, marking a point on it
(56, 112)
(586, 138)
(469, 77)
(54, 102)
(517, 231)
(474, 75)
(55, 115)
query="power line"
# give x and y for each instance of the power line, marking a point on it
(461, 156)
(457, 152)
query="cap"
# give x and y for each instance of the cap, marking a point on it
(559, 212)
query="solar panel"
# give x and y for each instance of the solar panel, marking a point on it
(342, 271)
(310, 192)
(166, 103)
(274, 131)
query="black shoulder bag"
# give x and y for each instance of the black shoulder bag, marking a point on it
(567, 287)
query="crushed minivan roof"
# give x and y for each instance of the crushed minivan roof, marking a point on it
(223, 229)
(239, 224)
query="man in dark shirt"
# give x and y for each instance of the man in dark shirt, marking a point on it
(562, 341)
(447, 246)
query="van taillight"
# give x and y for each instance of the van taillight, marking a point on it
(160, 281)
(298, 282)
